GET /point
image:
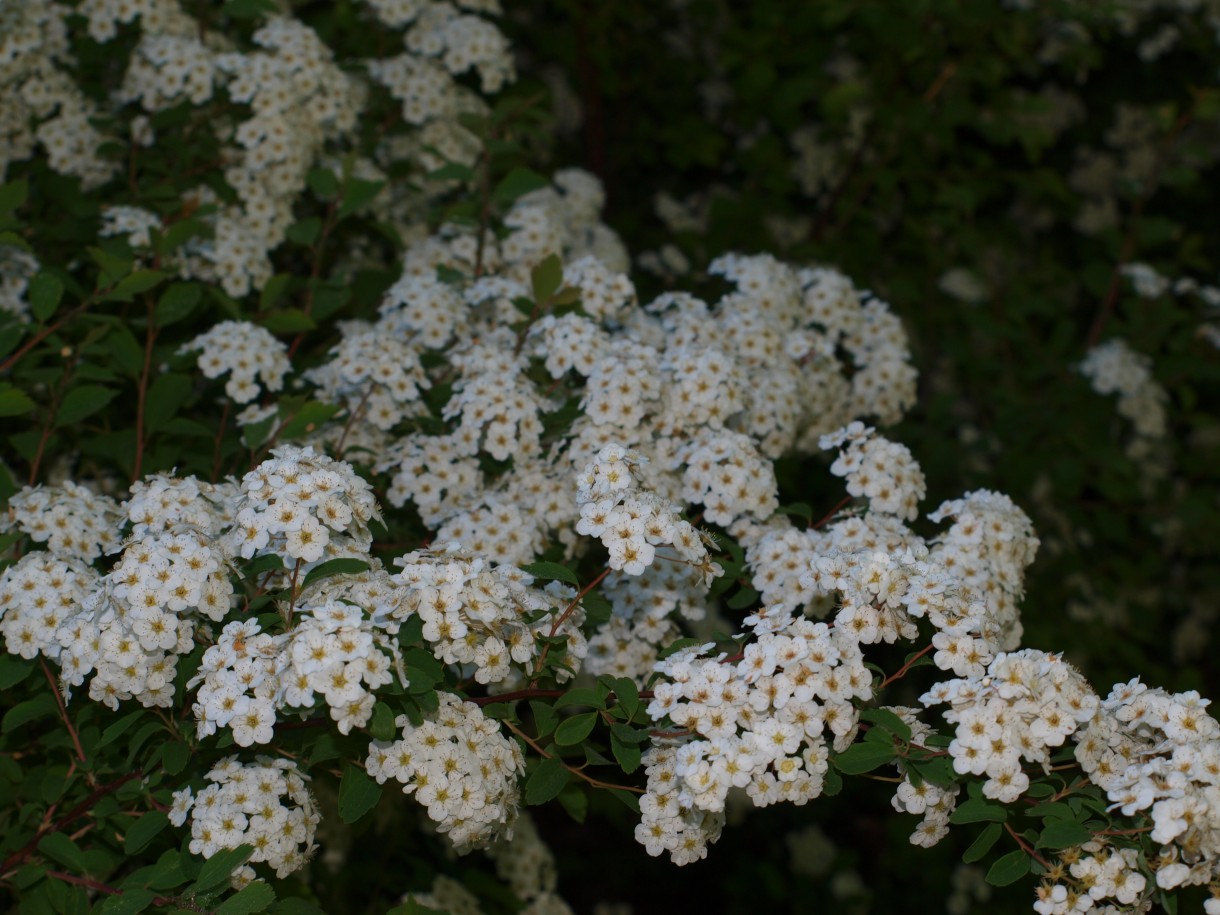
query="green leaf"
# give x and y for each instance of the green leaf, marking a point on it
(627, 754)
(575, 729)
(133, 284)
(116, 730)
(288, 321)
(83, 402)
(628, 695)
(1064, 834)
(305, 232)
(517, 183)
(13, 670)
(59, 847)
(323, 182)
(165, 395)
(13, 195)
(14, 401)
(979, 847)
(176, 302)
(358, 794)
(357, 194)
(544, 717)
(976, 810)
(273, 290)
(24, 712)
(598, 610)
(381, 725)
(179, 233)
(340, 566)
(551, 571)
(1008, 869)
(886, 719)
(864, 757)
(580, 696)
(546, 781)
(132, 901)
(174, 757)
(44, 292)
(144, 830)
(220, 867)
(746, 597)
(546, 278)
(452, 171)
(254, 897)
(307, 419)
(575, 801)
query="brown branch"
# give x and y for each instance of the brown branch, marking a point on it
(42, 335)
(575, 770)
(220, 429)
(1026, 847)
(63, 711)
(830, 514)
(150, 337)
(562, 618)
(902, 671)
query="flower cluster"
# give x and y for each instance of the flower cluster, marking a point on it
(374, 373)
(1114, 367)
(247, 353)
(756, 722)
(302, 506)
(265, 804)
(1024, 707)
(460, 767)
(72, 520)
(631, 521)
(881, 471)
(1157, 754)
(484, 617)
(39, 593)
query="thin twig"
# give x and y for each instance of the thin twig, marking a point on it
(63, 711)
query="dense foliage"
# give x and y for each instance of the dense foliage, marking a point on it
(400, 518)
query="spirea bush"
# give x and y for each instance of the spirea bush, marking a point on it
(377, 539)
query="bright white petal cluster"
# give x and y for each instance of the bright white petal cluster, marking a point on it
(881, 471)
(72, 520)
(247, 353)
(302, 506)
(266, 804)
(1022, 710)
(460, 767)
(757, 722)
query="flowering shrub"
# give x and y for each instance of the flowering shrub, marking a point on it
(476, 514)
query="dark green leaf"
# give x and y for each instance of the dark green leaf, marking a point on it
(308, 419)
(306, 231)
(174, 757)
(580, 696)
(575, 729)
(24, 712)
(1008, 869)
(979, 847)
(552, 571)
(517, 183)
(176, 302)
(288, 321)
(381, 725)
(82, 402)
(340, 566)
(220, 867)
(252, 898)
(44, 292)
(886, 719)
(546, 781)
(14, 401)
(358, 794)
(357, 194)
(546, 278)
(1064, 834)
(976, 810)
(323, 182)
(144, 830)
(165, 396)
(627, 754)
(13, 670)
(59, 847)
(13, 195)
(132, 901)
(575, 801)
(133, 284)
(864, 757)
